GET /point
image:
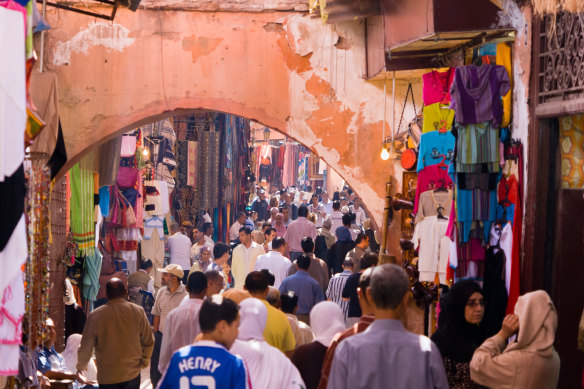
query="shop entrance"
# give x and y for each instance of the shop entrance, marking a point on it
(561, 227)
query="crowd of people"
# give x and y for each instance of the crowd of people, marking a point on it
(297, 299)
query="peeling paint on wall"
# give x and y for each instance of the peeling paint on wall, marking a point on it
(109, 35)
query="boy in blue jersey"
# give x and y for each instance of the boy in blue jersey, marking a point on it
(207, 364)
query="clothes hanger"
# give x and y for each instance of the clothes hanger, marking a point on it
(441, 188)
(440, 209)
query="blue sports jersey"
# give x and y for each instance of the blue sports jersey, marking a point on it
(205, 365)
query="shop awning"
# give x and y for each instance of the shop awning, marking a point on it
(421, 34)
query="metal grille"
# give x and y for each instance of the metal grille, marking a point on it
(561, 57)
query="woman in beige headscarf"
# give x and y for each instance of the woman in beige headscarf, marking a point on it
(529, 362)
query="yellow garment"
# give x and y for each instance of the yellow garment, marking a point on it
(278, 331)
(437, 116)
(503, 58)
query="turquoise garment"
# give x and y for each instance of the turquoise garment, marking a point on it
(104, 200)
(436, 146)
(92, 266)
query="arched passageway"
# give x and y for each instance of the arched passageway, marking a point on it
(284, 70)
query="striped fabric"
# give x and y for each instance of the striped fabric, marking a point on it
(82, 207)
(477, 143)
(335, 290)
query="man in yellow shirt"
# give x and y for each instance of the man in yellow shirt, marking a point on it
(278, 331)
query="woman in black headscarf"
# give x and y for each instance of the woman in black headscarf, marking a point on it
(459, 333)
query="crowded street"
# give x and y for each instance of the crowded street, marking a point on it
(295, 194)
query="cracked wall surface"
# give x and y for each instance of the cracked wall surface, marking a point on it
(284, 70)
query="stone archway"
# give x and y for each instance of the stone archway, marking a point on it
(284, 70)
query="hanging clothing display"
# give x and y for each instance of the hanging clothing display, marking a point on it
(433, 253)
(437, 86)
(476, 93)
(433, 202)
(92, 270)
(437, 117)
(435, 148)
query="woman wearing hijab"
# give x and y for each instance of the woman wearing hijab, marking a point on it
(326, 319)
(338, 251)
(70, 357)
(531, 360)
(268, 367)
(459, 334)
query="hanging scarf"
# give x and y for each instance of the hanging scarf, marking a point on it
(82, 206)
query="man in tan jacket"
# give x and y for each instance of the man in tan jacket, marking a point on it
(121, 337)
(531, 360)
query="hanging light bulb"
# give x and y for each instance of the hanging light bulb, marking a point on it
(384, 153)
(145, 152)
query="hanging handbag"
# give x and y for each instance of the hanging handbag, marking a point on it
(128, 146)
(127, 177)
(125, 215)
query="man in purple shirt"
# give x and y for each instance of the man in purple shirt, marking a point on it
(298, 229)
(305, 287)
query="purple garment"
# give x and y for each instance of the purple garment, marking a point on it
(476, 93)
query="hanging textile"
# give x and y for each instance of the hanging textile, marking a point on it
(182, 158)
(192, 164)
(208, 160)
(12, 92)
(12, 311)
(517, 231)
(92, 269)
(82, 208)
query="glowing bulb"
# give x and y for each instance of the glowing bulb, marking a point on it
(145, 153)
(384, 154)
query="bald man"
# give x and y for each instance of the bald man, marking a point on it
(121, 337)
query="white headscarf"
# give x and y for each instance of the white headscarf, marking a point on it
(254, 316)
(268, 367)
(326, 320)
(70, 357)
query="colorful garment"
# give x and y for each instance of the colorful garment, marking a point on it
(476, 144)
(476, 93)
(431, 177)
(437, 117)
(205, 364)
(82, 209)
(437, 86)
(436, 147)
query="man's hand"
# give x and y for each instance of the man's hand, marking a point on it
(44, 382)
(510, 326)
(82, 379)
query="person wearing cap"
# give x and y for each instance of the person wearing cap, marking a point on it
(168, 298)
(261, 206)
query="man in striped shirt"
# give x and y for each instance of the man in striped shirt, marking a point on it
(336, 285)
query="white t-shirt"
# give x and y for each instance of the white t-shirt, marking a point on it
(234, 230)
(180, 250)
